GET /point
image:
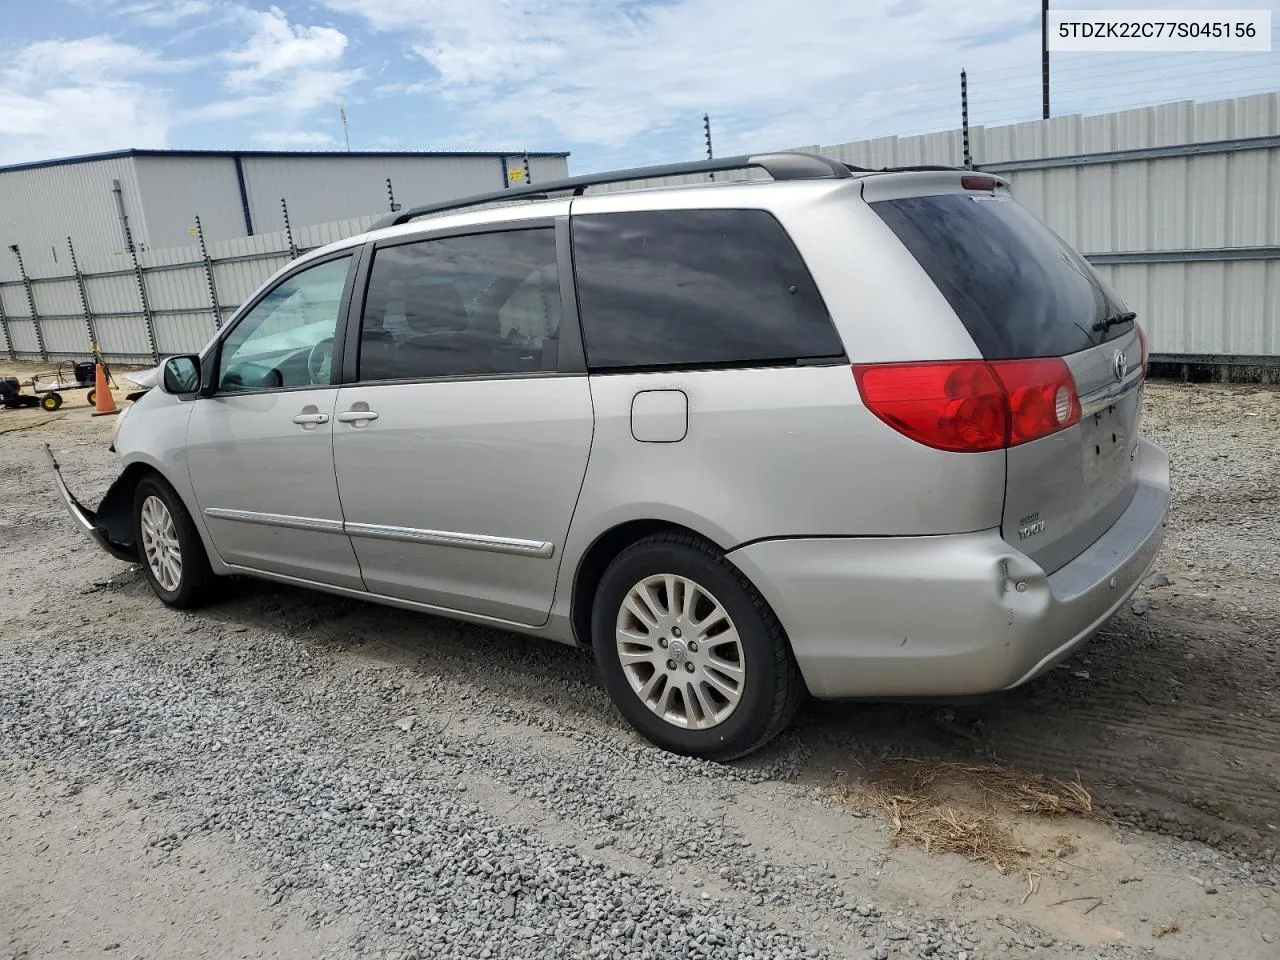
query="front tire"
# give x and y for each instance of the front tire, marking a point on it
(690, 652)
(169, 546)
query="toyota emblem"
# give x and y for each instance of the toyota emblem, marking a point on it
(1120, 364)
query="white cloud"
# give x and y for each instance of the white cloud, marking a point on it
(282, 74)
(89, 94)
(291, 98)
(62, 97)
(82, 60)
(277, 48)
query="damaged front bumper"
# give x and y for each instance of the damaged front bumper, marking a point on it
(110, 526)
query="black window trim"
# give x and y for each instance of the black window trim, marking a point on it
(781, 364)
(570, 356)
(211, 359)
(832, 360)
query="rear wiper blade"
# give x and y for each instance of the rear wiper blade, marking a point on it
(1106, 323)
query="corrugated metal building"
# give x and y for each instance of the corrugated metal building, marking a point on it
(235, 194)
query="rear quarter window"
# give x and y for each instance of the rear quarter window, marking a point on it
(691, 288)
(1019, 290)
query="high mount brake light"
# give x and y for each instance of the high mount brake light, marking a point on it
(970, 406)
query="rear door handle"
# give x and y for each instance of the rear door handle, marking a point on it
(311, 418)
(357, 416)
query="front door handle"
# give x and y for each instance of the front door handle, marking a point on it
(310, 417)
(358, 416)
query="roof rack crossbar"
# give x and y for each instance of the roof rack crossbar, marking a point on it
(780, 166)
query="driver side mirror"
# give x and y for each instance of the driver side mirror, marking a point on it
(181, 375)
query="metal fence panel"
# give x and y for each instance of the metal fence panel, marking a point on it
(1216, 308)
(25, 342)
(181, 288)
(13, 300)
(65, 336)
(56, 298)
(183, 332)
(114, 294)
(123, 338)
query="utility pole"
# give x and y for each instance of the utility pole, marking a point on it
(342, 112)
(706, 132)
(1044, 57)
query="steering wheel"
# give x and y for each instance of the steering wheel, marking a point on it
(319, 362)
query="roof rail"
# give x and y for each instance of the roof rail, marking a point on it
(780, 166)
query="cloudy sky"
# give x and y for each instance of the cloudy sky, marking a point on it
(616, 82)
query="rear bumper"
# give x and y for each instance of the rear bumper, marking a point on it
(87, 520)
(950, 616)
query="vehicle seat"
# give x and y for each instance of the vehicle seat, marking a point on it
(440, 342)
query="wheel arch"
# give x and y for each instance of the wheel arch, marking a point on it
(115, 513)
(602, 551)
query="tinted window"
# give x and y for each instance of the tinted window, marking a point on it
(1018, 289)
(695, 287)
(286, 340)
(460, 306)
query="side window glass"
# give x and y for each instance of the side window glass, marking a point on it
(680, 288)
(462, 306)
(286, 340)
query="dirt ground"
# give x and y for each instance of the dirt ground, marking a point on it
(1170, 720)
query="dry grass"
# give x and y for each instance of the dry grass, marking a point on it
(954, 808)
(939, 828)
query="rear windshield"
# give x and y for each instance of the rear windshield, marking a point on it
(1018, 289)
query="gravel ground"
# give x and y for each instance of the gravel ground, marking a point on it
(291, 774)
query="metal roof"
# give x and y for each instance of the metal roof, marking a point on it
(292, 154)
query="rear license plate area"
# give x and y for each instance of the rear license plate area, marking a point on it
(1105, 446)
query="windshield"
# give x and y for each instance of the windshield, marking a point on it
(1017, 287)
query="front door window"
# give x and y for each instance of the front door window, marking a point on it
(286, 340)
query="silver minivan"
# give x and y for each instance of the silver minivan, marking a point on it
(850, 433)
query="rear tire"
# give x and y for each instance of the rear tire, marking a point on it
(734, 685)
(51, 401)
(169, 546)
(92, 398)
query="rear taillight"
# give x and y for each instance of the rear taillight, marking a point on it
(969, 406)
(1142, 340)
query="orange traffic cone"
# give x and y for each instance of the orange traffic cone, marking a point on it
(103, 402)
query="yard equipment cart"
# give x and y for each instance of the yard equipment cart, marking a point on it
(49, 386)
